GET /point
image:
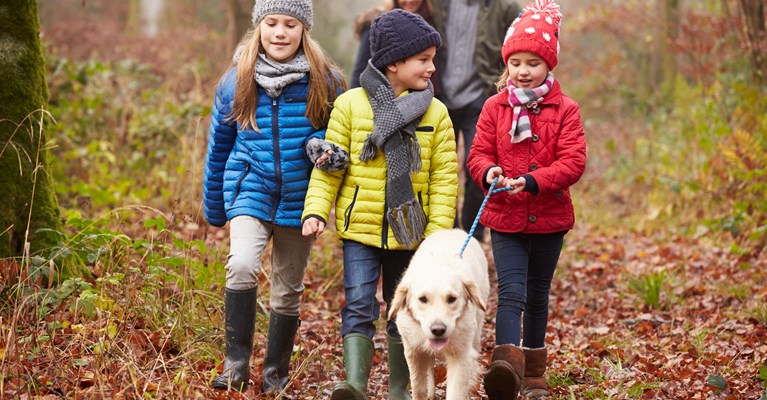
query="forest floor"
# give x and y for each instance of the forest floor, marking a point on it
(702, 338)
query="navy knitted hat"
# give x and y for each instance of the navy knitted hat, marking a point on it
(397, 35)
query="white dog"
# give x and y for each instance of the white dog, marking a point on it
(440, 305)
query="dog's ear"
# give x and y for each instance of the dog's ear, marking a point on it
(472, 294)
(400, 300)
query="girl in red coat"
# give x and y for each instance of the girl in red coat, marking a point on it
(531, 138)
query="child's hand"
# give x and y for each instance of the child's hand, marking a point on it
(492, 174)
(313, 226)
(326, 156)
(518, 184)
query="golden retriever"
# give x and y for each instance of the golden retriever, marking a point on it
(440, 305)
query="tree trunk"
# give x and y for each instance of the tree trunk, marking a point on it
(663, 57)
(752, 12)
(238, 15)
(670, 17)
(29, 202)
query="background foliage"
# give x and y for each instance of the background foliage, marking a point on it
(671, 233)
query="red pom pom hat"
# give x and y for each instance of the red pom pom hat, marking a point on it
(535, 30)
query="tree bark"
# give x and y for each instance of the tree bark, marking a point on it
(664, 68)
(29, 202)
(752, 12)
(238, 15)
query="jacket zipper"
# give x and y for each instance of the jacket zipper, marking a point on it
(238, 187)
(276, 155)
(348, 213)
(385, 226)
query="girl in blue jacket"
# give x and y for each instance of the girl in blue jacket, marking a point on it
(266, 133)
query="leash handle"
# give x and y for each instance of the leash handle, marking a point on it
(490, 192)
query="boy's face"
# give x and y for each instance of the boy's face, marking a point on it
(527, 70)
(412, 73)
(281, 36)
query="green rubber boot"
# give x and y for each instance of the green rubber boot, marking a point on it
(358, 358)
(399, 374)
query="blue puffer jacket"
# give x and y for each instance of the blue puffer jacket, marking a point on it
(261, 174)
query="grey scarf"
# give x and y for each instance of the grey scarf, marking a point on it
(273, 76)
(394, 123)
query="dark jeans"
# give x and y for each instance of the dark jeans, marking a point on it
(465, 123)
(525, 264)
(363, 266)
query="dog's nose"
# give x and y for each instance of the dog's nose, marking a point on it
(438, 329)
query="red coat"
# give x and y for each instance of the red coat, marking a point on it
(555, 156)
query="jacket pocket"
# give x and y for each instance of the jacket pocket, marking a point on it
(348, 212)
(238, 187)
(424, 129)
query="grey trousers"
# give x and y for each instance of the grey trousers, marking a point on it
(290, 255)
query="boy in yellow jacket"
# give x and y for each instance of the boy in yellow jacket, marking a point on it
(400, 186)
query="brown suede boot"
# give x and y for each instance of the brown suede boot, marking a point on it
(505, 374)
(535, 386)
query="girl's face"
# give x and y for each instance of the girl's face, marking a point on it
(281, 36)
(410, 5)
(412, 73)
(527, 70)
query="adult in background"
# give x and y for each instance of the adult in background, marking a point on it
(362, 31)
(470, 63)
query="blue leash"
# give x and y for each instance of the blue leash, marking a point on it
(490, 192)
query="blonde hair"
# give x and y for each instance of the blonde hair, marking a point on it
(325, 80)
(503, 80)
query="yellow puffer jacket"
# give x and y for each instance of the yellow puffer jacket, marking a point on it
(361, 187)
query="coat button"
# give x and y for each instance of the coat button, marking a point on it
(532, 218)
(533, 167)
(535, 138)
(559, 193)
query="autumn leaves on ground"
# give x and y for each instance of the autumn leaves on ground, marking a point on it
(139, 332)
(661, 291)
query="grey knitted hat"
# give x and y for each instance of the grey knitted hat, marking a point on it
(299, 9)
(397, 35)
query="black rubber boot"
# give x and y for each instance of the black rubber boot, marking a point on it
(240, 309)
(358, 358)
(279, 349)
(399, 374)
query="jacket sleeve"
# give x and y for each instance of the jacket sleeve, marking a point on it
(223, 133)
(323, 186)
(483, 154)
(570, 155)
(443, 177)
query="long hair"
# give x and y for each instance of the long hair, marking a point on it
(325, 80)
(503, 80)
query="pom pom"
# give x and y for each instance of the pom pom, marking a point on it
(548, 7)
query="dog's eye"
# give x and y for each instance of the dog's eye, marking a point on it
(451, 299)
(423, 299)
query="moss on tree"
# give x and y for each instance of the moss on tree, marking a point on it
(28, 198)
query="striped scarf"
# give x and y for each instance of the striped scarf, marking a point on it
(529, 98)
